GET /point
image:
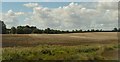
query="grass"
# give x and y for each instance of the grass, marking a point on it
(30, 40)
(75, 46)
(55, 52)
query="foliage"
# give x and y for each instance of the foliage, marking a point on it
(3, 27)
(32, 29)
(13, 30)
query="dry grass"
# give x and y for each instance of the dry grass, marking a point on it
(10, 40)
(76, 46)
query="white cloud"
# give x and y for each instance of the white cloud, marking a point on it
(72, 16)
(75, 16)
(11, 18)
(0, 16)
(31, 5)
(107, 5)
(19, 13)
(108, 0)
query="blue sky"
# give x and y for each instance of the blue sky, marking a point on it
(18, 6)
(61, 15)
(14, 6)
(51, 0)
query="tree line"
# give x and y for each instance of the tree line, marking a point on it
(34, 30)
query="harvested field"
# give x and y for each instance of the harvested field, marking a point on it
(10, 40)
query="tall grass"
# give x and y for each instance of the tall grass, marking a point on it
(56, 52)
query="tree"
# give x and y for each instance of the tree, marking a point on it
(52, 31)
(20, 30)
(73, 31)
(97, 30)
(13, 30)
(115, 29)
(101, 30)
(119, 30)
(47, 30)
(36, 31)
(76, 31)
(92, 30)
(32, 28)
(80, 30)
(3, 27)
(67, 31)
(88, 30)
(27, 30)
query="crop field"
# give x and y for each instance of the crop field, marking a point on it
(73, 46)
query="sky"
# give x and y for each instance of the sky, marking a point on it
(60, 0)
(61, 15)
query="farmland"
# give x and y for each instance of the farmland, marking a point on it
(73, 46)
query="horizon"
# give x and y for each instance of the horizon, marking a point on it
(64, 30)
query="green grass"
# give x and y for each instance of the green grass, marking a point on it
(57, 52)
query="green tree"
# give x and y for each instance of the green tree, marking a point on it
(20, 30)
(80, 30)
(27, 30)
(76, 31)
(97, 30)
(13, 30)
(115, 29)
(92, 30)
(119, 30)
(36, 31)
(3, 27)
(47, 30)
(101, 30)
(88, 30)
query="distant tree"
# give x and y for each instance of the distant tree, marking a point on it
(47, 31)
(0, 27)
(115, 29)
(73, 31)
(76, 31)
(3, 27)
(97, 30)
(41, 31)
(88, 30)
(13, 30)
(63, 31)
(8, 31)
(36, 31)
(119, 30)
(67, 31)
(52, 31)
(27, 26)
(58, 31)
(80, 30)
(92, 30)
(32, 27)
(101, 30)
(20, 30)
(27, 30)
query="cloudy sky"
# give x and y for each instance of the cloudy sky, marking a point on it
(61, 15)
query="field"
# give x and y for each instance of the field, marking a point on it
(74, 46)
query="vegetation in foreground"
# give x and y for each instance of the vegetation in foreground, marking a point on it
(75, 46)
(57, 52)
